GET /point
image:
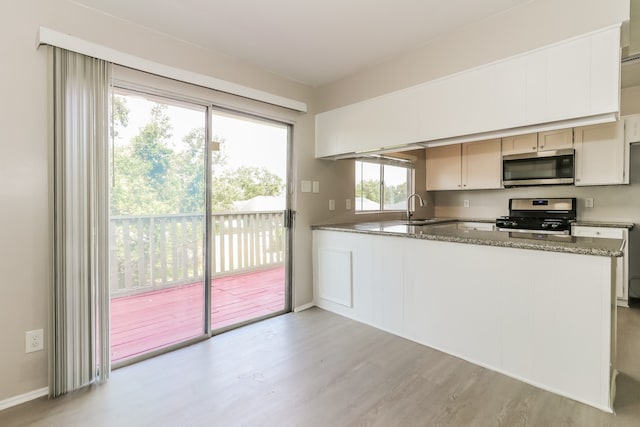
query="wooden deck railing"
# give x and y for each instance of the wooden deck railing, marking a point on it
(154, 252)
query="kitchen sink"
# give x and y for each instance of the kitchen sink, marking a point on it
(421, 221)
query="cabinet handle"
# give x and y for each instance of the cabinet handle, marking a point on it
(533, 148)
(542, 146)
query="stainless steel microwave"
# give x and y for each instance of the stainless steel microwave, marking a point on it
(538, 168)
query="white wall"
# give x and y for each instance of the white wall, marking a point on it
(24, 209)
(24, 255)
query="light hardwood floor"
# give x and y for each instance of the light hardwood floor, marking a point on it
(315, 368)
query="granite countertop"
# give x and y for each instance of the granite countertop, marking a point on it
(446, 230)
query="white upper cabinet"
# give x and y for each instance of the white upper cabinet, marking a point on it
(519, 144)
(481, 165)
(510, 95)
(555, 140)
(543, 141)
(604, 85)
(469, 166)
(444, 167)
(573, 79)
(631, 128)
(602, 156)
(568, 80)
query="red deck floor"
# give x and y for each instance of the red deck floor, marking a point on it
(144, 322)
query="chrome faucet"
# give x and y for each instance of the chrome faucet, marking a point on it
(421, 201)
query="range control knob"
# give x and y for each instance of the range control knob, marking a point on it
(545, 225)
(555, 225)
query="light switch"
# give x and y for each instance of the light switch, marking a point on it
(588, 202)
(316, 186)
(347, 204)
(466, 203)
(305, 186)
(332, 205)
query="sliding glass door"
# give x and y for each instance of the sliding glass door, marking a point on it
(164, 246)
(249, 173)
(157, 225)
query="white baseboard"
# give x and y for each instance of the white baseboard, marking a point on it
(23, 398)
(303, 307)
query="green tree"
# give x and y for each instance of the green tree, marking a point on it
(369, 189)
(142, 182)
(151, 147)
(395, 194)
(244, 183)
(153, 175)
(191, 172)
(119, 114)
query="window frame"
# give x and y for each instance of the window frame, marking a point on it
(383, 161)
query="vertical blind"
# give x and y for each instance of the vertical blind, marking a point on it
(79, 344)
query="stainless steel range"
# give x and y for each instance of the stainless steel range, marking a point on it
(541, 216)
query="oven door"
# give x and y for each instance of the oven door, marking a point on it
(541, 168)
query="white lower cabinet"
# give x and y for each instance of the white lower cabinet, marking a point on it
(335, 275)
(371, 279)
(502, 308)
(622, 263)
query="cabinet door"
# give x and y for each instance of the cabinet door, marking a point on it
(444, 167)
(520, 144)
(481, 161)
(600, 154)
(334, 275)
(568, 80)
(622, 263)
(555, 140)
(632, 128)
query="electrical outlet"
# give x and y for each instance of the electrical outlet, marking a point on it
(34, 340)
(588, 202)
(466, 203)
(316, 186)
(347, 204)
(332, 205)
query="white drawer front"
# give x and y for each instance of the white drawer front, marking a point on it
(606, 232)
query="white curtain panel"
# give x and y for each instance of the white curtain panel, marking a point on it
(79, 338)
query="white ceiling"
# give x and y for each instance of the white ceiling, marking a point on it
(312, 42)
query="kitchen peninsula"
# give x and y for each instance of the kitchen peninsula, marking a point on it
(537, 308)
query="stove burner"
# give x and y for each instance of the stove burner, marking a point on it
(534, 224)
(555, 216)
